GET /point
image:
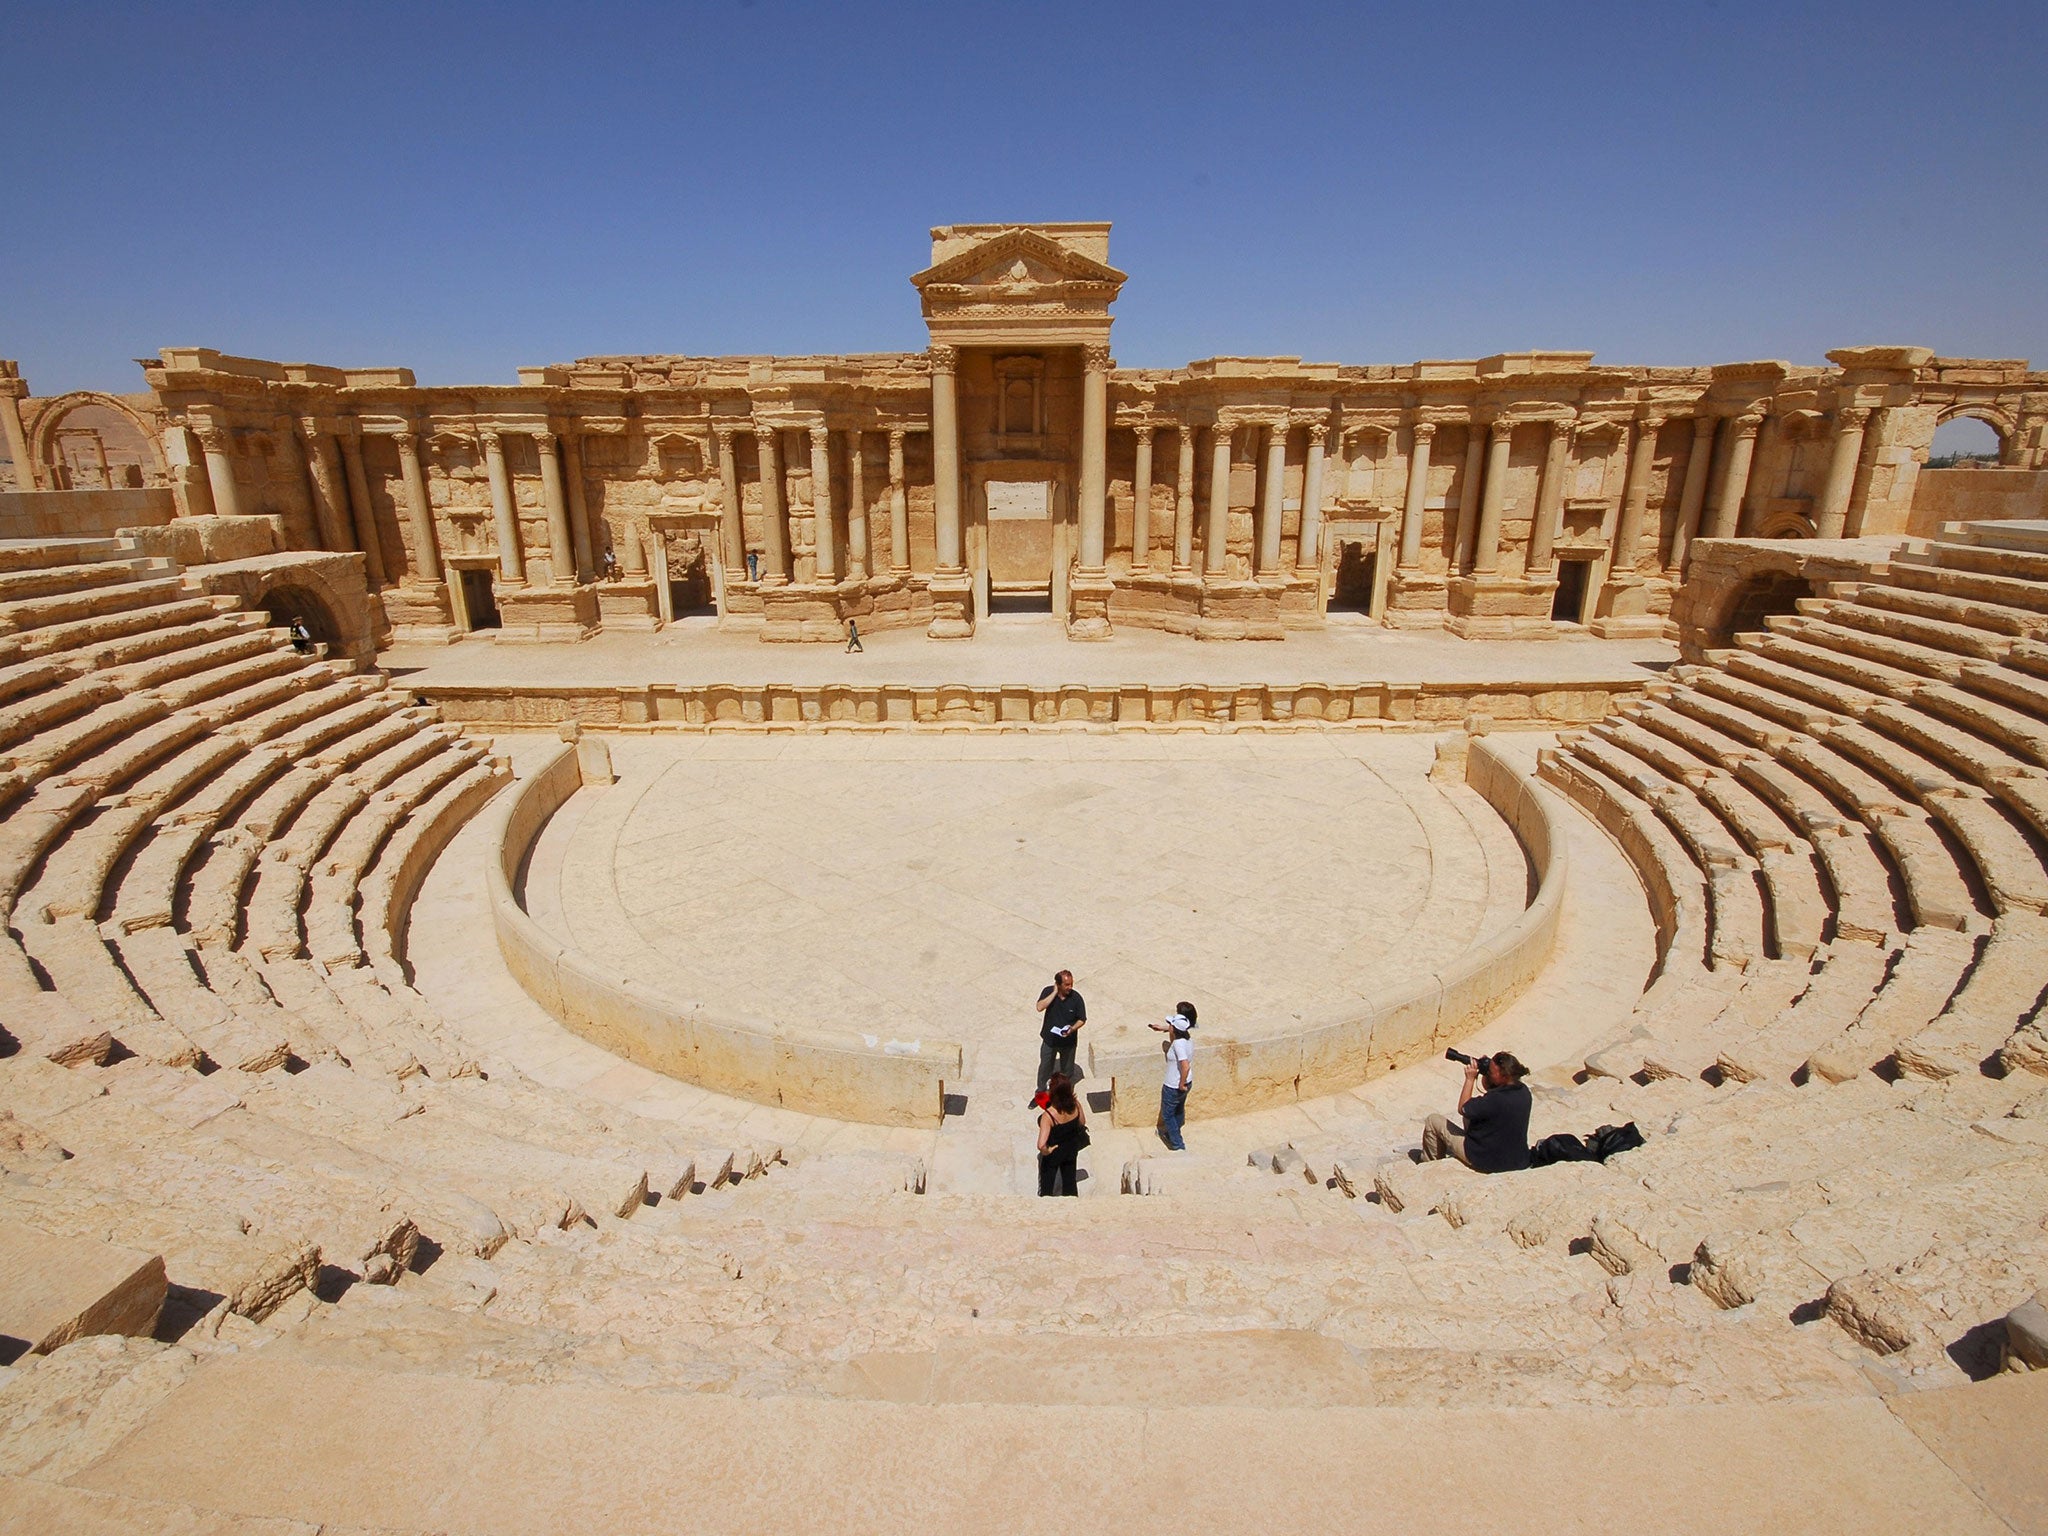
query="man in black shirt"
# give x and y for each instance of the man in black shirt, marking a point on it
(1065, 1013)
(1495, 1135)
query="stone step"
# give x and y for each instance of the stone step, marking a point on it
(469, 1456)
(56, 1289)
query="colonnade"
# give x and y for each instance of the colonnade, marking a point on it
(776, 567)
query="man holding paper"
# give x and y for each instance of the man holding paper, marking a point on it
(1064, 1014)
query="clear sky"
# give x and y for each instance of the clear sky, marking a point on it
(465, 189)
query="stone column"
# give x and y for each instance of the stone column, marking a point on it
(1141, 501)
(1735, 479)
(1635, 500)
(899, 506)
(1468, 498)
(1694, 496)
(218, 446)
(359, 499)
(1216, 540)
(1421, 434)
(946, 459)
(426, 550)
(291, 461)
(1831, 511)
(579, 504)
(827, 538)
(561, 546)
(511, 558)
(1307, 557)
(1549, 498)
(324, 460)
(856, 508)
(1184, 504)
(731, 526)
(1270, 501)
(774, 526)
(198, 492)
(1094, 486)
(1486, 545)
(12, 392)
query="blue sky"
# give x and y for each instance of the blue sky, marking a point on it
(465, 189)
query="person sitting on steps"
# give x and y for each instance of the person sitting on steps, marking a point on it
(1495, 1135)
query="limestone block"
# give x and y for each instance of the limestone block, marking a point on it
(1878, 1313)
(2025, 1050)
(1418, 1189)
(265, 1281)
(1635, 1236)
(61, 1412)
(54, 1290)
(1724, 1273)
(2026, 1335)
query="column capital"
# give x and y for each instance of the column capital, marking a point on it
(944, 358)
(1851, 418)
(1501, 427)
(211, 438)
(1566, 424)
(1143, 431)
(725, 433)
(1749, 423)
(491, 438)
(1423, 431)
(408, 442)
(543, 437)
(1095, 358)
(821, 435)
(1650, 422)
(1318, 432)
(896, 436)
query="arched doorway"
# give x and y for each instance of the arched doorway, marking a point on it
(1758, 599)
(283, 605)
(1966, 441)
(92, 442)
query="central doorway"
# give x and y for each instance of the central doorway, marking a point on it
(1022, 566)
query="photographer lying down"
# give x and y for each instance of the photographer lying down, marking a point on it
(1495, 1135)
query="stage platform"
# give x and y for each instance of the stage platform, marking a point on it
(1025, 672)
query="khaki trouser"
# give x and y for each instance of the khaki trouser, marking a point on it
(1441, 1139)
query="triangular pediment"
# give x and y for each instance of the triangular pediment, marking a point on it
(1017, 258)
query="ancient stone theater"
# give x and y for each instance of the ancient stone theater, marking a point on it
(529, 912)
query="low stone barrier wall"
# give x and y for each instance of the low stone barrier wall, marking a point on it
(813, 1071)
(82, 514)
(1418, 706)
(1236, 1075)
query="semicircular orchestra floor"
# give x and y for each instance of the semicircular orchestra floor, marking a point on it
(928, 886)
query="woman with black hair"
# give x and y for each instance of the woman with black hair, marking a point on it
(1062, 1133)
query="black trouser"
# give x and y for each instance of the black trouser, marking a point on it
(1056, 1056)
(1056, 1175)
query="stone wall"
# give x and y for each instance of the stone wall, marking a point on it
(81, 514)
(814, 1071)
(1236, 1075)
(1975, 495)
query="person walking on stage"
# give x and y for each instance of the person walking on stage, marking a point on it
(1065, 1013)
(1062, 1133)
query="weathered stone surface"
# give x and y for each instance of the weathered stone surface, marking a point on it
(56, 1289)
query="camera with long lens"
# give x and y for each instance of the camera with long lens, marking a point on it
(1483, 1063)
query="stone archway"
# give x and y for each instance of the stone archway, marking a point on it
(2002, 426)
(290, 601)
(330, 592)
(43, 432)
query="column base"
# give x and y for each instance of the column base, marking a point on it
(1203, 607)
(952, 597)
(1088, 598)
(528, 614)
(628, 605)
(421, 613)
(1631, 608)
(1416, 600)
(1493, 606)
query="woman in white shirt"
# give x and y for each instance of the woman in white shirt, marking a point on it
(1180, 1073)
